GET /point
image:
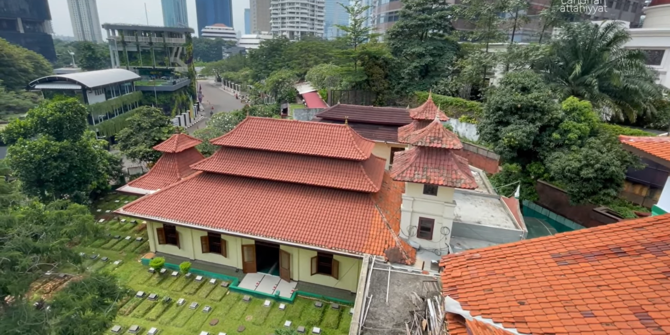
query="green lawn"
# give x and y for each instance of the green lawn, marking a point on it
(226, 306)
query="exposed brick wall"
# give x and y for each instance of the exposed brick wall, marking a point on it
(480, 157)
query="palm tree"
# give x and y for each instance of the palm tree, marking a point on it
(590, 62)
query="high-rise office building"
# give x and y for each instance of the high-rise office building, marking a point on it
(28, 23)
(296, 19)
(260, 16)
(335, 15)
(211, 12)
(174, 13)
(247, 21)
(85, 21)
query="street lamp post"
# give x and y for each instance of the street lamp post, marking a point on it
(72, 54)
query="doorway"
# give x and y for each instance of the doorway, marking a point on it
(267, 258)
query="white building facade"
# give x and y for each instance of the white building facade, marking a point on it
(297, 19)
(253, 41)
(219, 31)
(85, 21)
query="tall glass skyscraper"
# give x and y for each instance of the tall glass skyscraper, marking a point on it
(335, 14)
(211, 12)
(174, 13)
(247, 21)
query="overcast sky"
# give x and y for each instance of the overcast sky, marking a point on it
(132, 11)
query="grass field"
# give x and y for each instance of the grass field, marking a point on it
(170, 318)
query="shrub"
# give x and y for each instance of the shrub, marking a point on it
(452, 106)
(157, 263)
(185, 267)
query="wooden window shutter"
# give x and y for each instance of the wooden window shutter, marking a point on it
(315, 261)
(160, 234)
(204, 243)
(224, 248)
(336, 269)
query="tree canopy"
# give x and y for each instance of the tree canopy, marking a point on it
(589, 61)
(54, 155)
(540, 139)
(422, 43)
(19, 66)
(146, 128)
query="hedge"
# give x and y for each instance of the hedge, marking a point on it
(617, 130)
(452, 106)
(112, 126)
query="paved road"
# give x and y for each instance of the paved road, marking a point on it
(214, 97)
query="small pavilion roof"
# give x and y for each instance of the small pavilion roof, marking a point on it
(169, 169)
(427, 111)
(433, 135)
(298, 137)
(177, 143)
(433, 166)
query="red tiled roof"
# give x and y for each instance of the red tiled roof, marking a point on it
(612, 279)
(298, 137)
(371, 131)
(367, 114)
(169, 169)
(177, 143)
(655, 146)
(363, 176)
(313, 100)
(432, 166)
(317, 216)
(427, 111)
(433, 135)
(459, 326)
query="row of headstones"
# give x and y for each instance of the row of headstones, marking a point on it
(188, 275)
(95, 256)
(134, 329)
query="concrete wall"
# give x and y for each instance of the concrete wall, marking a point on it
(464, 129)
(415, 205)
(306, 114)
(486, 233)
(383, 150)
(664, 200)
(190, 247)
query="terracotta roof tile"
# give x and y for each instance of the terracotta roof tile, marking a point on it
(363, 176)
(656, 146)
(313, 100)
(317, 216)
(433, 166)
(367, 114)
(433, 135)
(427, 111)
(372, 132)
(298, 137)
(169, 169)
(612, 278)
(177, 143)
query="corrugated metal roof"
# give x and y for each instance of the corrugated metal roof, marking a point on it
(91, 79)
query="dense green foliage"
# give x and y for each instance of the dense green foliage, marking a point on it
(145, 128)
(590, 62)
(209, 50)
(19, 66)
(157, 263)
(88, 56)
(222, 123)
(14, 103)
(452, 106)
(422, 44)
(540, 139)
(54, 155)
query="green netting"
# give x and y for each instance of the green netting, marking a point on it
(549, 220)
